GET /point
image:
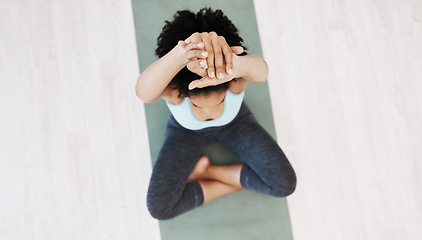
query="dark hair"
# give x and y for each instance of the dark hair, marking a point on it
(184, 24)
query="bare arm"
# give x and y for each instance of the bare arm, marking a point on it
(154, 80)
(250, 68)
(200, 54)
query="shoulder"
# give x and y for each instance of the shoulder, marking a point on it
(238, 85)
(171, 95)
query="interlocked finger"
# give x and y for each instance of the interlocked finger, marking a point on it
(206, 39)
(215, 50)
(218, 58)
(194, 46)
(198, 67)
(196, 37)
(196, 54)
(228, 56)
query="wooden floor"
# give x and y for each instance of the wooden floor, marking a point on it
(346, 87)
(74, 153)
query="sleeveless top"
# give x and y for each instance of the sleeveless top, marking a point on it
(184, 115)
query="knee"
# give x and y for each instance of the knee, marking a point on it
(284, 186)
(159, 209)
(159, 204)
(160, 214)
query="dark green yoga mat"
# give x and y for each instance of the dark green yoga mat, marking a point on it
(241, 215)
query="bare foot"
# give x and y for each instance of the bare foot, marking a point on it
(199, 172)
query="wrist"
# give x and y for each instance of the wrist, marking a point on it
(238, 66)
(179, 54)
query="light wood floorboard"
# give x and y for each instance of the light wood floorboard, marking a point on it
(74, 155)
(346, 88)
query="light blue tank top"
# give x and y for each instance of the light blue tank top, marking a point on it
(184, 115)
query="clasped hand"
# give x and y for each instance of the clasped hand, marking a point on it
(210, 57)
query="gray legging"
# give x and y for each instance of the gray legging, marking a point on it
(266, 168)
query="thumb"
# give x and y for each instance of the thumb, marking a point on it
(194, 84)
(183, 44)
(201, 83)
(237, 50)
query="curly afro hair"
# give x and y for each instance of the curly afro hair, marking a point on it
(184, 24)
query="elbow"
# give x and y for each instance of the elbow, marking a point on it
(261, 70)
(144, 97)
(265, 70)
(141, 93)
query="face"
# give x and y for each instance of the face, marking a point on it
(210, 100)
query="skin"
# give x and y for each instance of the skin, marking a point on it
(208, 107)
(209, 56)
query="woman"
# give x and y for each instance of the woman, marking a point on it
(201, 73)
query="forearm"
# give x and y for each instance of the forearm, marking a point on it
(154, 80)
(252, 68)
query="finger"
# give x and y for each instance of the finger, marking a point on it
(195, 37)
(200, 63)
(203, 64)
(237, 49)
(182, 44)
(228, 56)
(203, 82)
(194, 54)
(194, 84)
(198, 67)
(218, 57)
(210, 58)
(194, 45)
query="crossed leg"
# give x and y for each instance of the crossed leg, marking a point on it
(216, 180)
(183, 180)
(267, 169)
